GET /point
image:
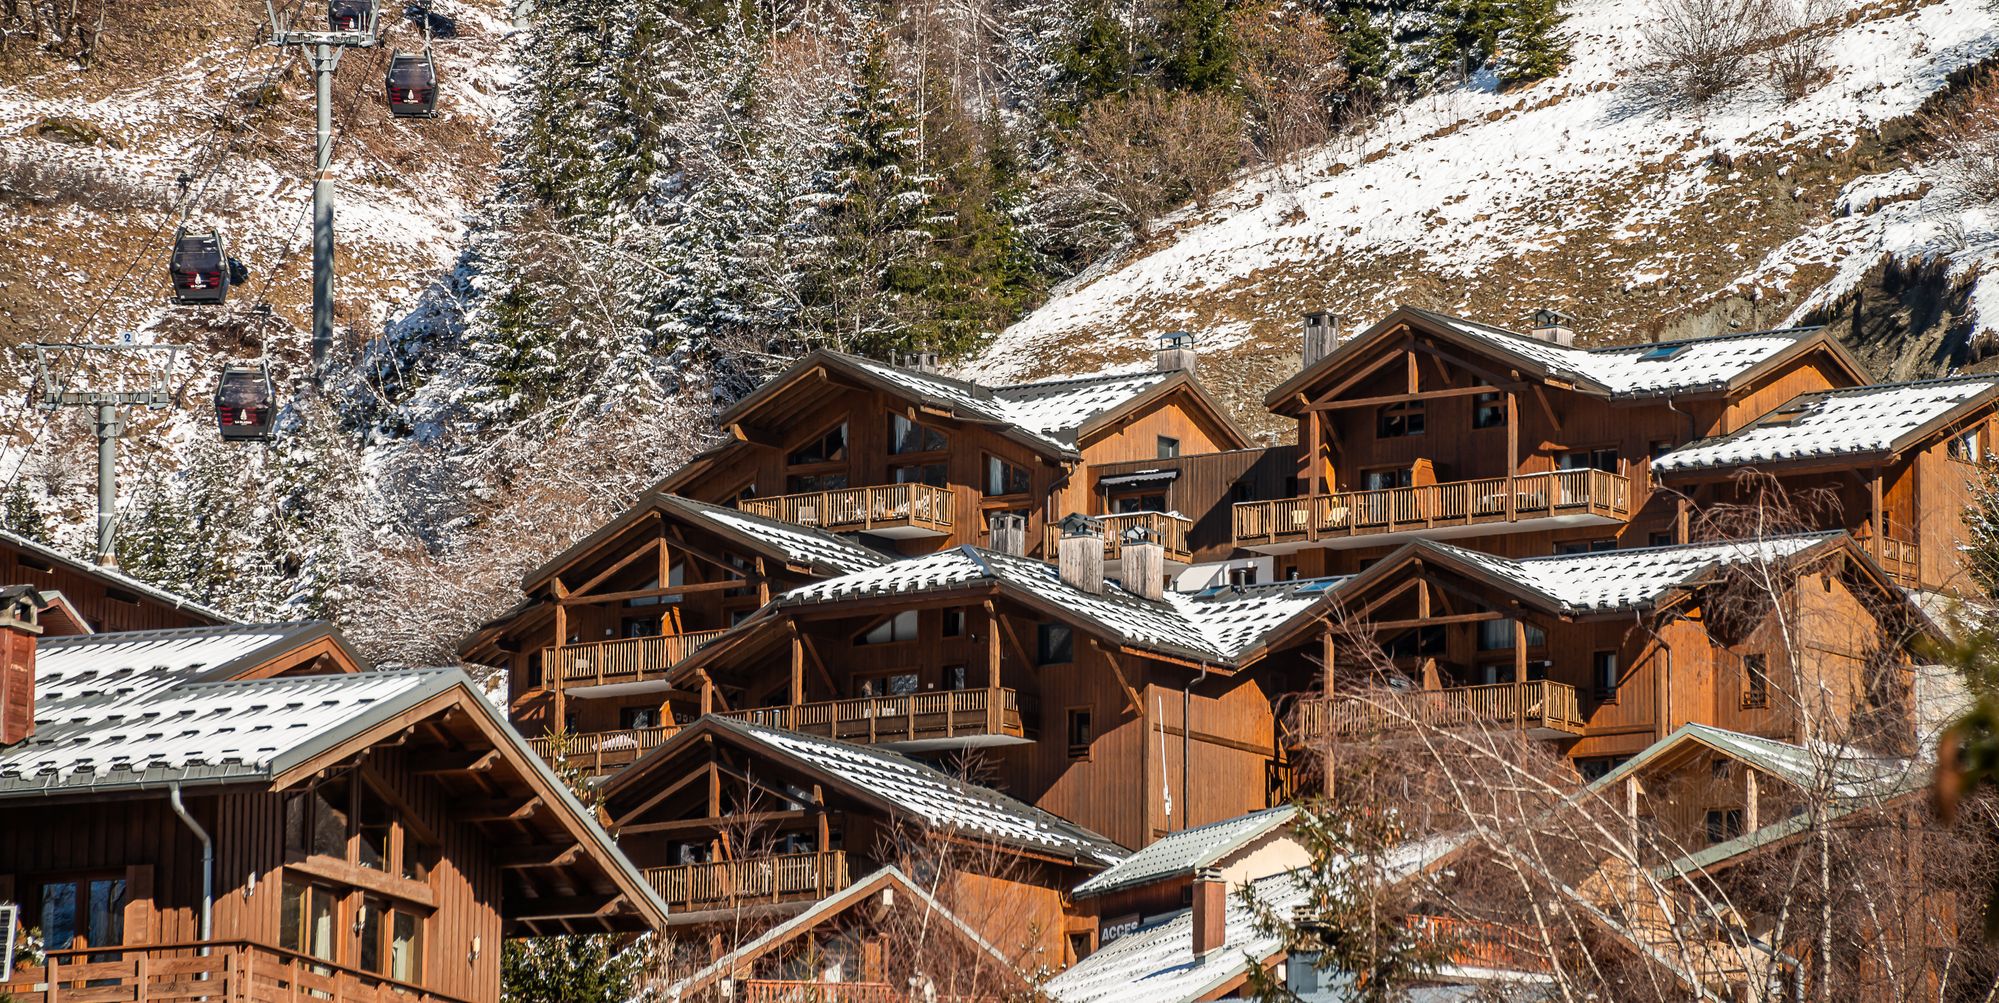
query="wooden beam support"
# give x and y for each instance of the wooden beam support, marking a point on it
(539, 855)
(1341, 405)
(497, 810)
(675, 590)
(686, 825)
(480, 765)
(1110, 658)
(624, 562)
(557, 909)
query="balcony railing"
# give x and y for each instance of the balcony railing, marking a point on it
(1477, 944)
(626, 660)
(1494, 500)
(1537, 705)
(596, 752)
(1170, 530)
(888, 509)
(232, 970)
(785, 991)
(912, 717)
(1899, 558)
(776, 878)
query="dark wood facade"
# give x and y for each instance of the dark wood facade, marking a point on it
(106, 601)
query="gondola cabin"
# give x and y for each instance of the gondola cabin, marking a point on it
(245, 402)
(412, 84)
(351, 15)
(200, 267)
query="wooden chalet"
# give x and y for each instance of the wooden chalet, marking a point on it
(234, 813)
(1425, 426)
(1897, 465)
(96, 598)
(854, 945)
(733, 821)
(926, 462)
(1605, 653)
(588, 650)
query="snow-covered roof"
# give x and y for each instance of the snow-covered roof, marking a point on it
(1835, 423)
(1612, 580)
(1216, 625)
(115, 578)
(1184, 852)
(201, 732)
(1853, 771)
(1156, 963)
(1636, 370)
(797, 544)
(936, 799)
(126, 662)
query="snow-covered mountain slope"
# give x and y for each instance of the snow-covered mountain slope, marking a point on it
(1581, 191)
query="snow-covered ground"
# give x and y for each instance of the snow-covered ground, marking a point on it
(1575, 188)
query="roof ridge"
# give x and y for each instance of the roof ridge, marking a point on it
(1798, 330)
(1098, 378)
(173, 633)
(1816, 534)
(1866, 388)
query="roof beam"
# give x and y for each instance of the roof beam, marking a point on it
(556, 910)
(540, 855)
(480, 765)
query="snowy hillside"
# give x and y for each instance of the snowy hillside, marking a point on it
(1580, 191)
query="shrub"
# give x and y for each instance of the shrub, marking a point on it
(1964, 140)
(1703, 49)
(1798, 53)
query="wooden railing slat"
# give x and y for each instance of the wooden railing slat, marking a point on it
(1446, 503)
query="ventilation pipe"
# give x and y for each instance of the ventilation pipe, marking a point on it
(1176, 352)
(1079, 555)
(1322, 335)
(207, 866)
(1144, 560)
(1552, 326)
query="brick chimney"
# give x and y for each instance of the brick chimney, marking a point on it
(1322, 335)
(19, 625)
(1144, 563)
(1211, 911)
(1079, 555)
(1552, 326)
(1176, 352)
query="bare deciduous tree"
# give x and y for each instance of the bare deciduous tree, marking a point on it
(1701, 50)
(1964, 137)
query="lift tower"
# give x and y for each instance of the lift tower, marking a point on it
(324, 49)
(107, 378)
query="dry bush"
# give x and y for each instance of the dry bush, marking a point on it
(1701, 50)
(1288, 66)
(1964, 141)
(1802, 42)
(1139, 156)
(46, 181)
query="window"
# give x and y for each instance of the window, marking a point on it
(1397, 420)
(1416, 643)
(638, 626)
(905, 436)
(534, 670)
(1385, 478)
(1660, 353)
(373, 827)
(370, 931)
(1756, 679)
(954, 623)
(900, 627)
(1168, 447)
(1140, 503)
(799, 484)
(889, 685)
(1604, 459)
(1594, 768)
(829, 446)
(306, 919)
(1723, 824)
(1789, 414)
(954, 677)
(638, 717)
(418, 858)
(1719, 768)
(1290, 572)
(1659, 540)
(1079, 946)
(1585, 546)
(1660, 447)
(1003, 478)
(933, 474)
(1241, 491)
(344, 818)
(1497, 635)
(1054, 644)
(1079, 732)
(406, 947)
(316, 819)
(1603, 670)
(86, 910)
(1967, 445)
(1488, 411)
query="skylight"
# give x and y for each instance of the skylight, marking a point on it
(1660, 353)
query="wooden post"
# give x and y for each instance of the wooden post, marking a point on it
(994, 715)
(1520, 673)
(1312, 476)
(707, 694)
(1326, 662)
(763, 584)
(1880, 521)
(797, 671)
(1512, 451)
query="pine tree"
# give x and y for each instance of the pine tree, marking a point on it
(1532, 45)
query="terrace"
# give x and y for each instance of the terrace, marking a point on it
(1523, 503)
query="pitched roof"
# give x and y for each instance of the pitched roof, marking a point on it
(1187, 851)
(1677, 367)
(1048, 415)
(115, 578)
(1156, 964)
(1616, 580)
(1837, 424)
(1853, 772)
(905, 787)
(125, 662)
(831, 905)
(1216, 625)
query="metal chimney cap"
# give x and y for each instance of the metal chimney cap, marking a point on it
(1078, 524)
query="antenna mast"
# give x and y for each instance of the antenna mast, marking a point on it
(107, 378)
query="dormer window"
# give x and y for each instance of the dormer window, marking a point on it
(1397, 420)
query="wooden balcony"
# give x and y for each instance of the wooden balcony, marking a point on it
(598, 752)
(891, 510)
(1477, 944)
(786, 991)
(1528, 502)
(936, 719)
(234, 971)
(625, 660)
(1542, 708)
(1170, 530)
(783, 877)
(1899, 558)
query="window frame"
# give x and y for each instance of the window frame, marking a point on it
(1400, 420)
(1488, 410)
(818, 439)
(1044, 647)
(1168, 447)
(924, 431)
(1070, 716)
(894, 622)
(996, 464)
(1755, 681)
(1598, 661)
